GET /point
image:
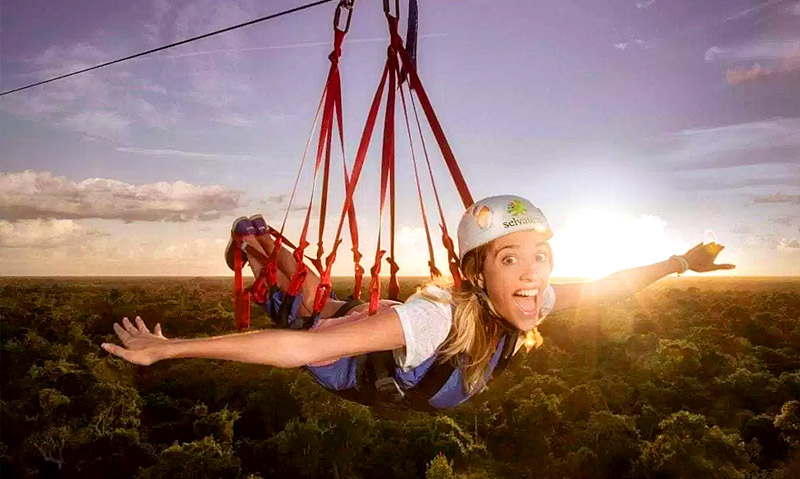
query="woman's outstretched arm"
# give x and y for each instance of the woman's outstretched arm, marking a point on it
(622, 284)
(282, 348)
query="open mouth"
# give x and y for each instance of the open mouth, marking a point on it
(528, 300)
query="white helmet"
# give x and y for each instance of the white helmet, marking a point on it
(497, 216)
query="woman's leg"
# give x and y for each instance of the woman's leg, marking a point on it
(309, 288)
(288, 266)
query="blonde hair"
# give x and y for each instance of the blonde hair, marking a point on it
(476, 329)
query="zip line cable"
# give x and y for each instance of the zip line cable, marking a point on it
(182, 42)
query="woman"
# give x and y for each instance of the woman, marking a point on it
(442, 345)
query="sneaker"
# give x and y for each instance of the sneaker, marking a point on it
(241, 226)
(259, 224)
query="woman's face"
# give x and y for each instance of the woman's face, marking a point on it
(516, 272)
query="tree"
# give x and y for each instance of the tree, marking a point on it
(688, 447)
(788, 421)
(195, 460)
(440, 468)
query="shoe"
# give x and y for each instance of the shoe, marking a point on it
(241, 226)
(259, 224)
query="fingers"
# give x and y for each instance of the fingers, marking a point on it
(724, 266)
(157, 330)
(124, 336)
(140, 324)
(134, 357)
(114, 349)
(128, 326)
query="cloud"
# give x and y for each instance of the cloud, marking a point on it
(794, 9)
(104, 124)
(38, 194)
(768, 240)
(766, 58)
(756, 72)
(757, 143)
(645, 4)
(777, 197)
(101, 104)
(785, 220)
(234, 120)
(196, 155)
(717, 183)
(633, 42)
(753, 10)
(789, 245)
(121, 254)
(738, 76)
(44, 234)
(771, 49)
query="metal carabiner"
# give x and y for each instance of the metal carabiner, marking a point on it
(343, 5)
(387, 8)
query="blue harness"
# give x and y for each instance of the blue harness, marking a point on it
(374, 379)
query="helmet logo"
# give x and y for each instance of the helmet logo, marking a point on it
(516, 208)
(483, 216)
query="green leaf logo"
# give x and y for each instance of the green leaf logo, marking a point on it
(516, 208)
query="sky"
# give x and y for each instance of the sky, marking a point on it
(639, 127)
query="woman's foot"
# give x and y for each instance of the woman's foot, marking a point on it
(241, 227)
(259, 224)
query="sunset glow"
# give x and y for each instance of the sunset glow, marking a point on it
(594, 243)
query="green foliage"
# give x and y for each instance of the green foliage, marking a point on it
(788, 422)
(676, 382)
(688, 447)
(195, 460)
(440, 468)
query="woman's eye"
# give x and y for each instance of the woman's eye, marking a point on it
(509, 260)
(540, 258)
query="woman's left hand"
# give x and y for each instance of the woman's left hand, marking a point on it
(701, 258)
(140, 345)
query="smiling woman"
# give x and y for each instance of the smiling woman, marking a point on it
(445, 343)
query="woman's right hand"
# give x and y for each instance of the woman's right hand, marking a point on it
(701, 258)
(140, 345)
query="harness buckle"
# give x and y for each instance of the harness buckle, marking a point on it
(388, 387)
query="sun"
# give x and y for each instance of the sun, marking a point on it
(593, 243)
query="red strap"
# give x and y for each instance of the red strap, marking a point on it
(436, 127)
(241, 298)
(444, 146)
(358, 165)
(387, 165)
(351, 213)
(323, 147)
(453, 263)
(435, 273)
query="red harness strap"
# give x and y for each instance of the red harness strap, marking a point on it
(241, 298)
(441, 139)
(331, 104)
(387, 169)
(435, 273)
(323, 292)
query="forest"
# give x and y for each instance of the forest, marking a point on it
(692, 377)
